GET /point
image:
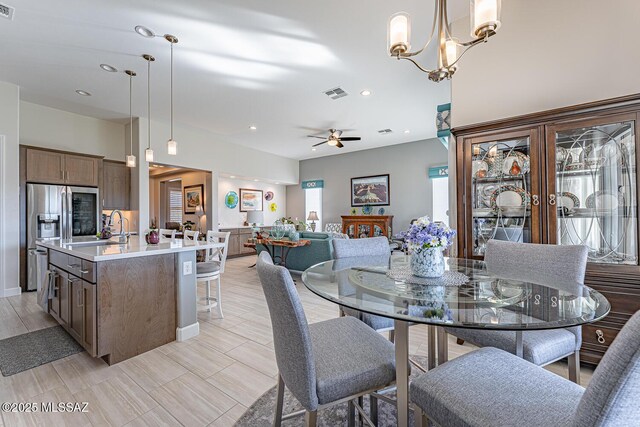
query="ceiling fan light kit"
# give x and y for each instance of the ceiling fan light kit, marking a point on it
(485, 22)
(334, 139)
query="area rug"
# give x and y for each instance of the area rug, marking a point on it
(36, 348)
(260, 414)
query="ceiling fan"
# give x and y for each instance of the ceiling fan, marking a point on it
(334, 139)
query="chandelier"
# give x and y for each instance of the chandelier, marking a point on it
(485, 21)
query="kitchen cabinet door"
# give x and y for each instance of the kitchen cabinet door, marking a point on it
(63, 294)
(76, 293)
(89, 330)
(60, 283)
(45, 166)
(81, 170)
(116, 185)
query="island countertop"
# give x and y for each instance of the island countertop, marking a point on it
(96, 250)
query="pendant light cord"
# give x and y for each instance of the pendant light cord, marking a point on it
(148, 104)
(131, 112)
(171, 89)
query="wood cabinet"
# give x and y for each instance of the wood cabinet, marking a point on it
(55, 167)
(76, 301)
(116, 185)
(237, 239)
(363, 226)
(89, 337)
(566, 177)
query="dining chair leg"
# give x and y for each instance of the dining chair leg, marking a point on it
(219, 299)
(208, 296)
(443, 346)
(418, 417)
(574, 367)
(519, 344)
(310, 418)
(361, 404)
(431, 347)
(459, 341)
(277, 419)
(351, 416)
(373, 409)
(392, 335)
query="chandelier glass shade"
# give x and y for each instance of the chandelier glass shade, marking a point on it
(485, 21)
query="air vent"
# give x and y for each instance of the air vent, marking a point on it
(384, 131)
(336, 93)
(6, 11)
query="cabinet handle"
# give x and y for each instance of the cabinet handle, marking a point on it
(552, 199)
(80, 297)
(600, 336)
(535, 200)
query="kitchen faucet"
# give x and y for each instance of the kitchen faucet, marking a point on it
(123, 235)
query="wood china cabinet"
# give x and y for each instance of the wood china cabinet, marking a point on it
(363, 226)
(567, 176)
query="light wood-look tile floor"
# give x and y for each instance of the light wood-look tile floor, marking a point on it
(208, 380)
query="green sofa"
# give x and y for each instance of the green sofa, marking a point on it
(301, 258)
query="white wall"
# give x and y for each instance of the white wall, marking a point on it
(9, 190)
(407, 165)
(548, 54)
(51, 128)
(233, 217)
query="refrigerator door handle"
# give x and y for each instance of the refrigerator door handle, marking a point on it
(69, 213)
(63, 216)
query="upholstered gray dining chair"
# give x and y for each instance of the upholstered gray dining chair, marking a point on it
(324, 363)
(490, 387)
(561, 267)
(375, 248)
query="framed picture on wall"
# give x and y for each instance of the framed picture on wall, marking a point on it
(250, 200)
(193, 196)
(370, 190)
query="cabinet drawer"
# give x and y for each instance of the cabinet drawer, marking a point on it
(89, 271)
(81, 268)
(59, 259)
(599, 336)
(623, 300)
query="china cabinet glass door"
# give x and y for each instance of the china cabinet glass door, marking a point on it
(503, 192)
(592, 198)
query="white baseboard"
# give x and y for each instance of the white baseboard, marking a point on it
(11, 292)
(183, 334)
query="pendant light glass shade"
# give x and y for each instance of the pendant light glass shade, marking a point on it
(399, 32)
(485, 17)
(148, 155)
(131, 159)
(172, 147)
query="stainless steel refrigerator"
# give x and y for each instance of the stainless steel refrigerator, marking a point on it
(58, 211)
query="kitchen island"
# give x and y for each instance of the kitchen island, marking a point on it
(122, 299)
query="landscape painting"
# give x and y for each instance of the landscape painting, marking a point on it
(193, 197)
(250, 200)
(370, 190)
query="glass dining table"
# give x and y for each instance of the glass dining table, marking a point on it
(485, 301)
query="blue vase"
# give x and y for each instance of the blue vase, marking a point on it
(427, 262)
(294, 236)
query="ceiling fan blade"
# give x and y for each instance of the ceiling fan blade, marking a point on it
(339, 145)
(319, 143)
(315, 136)
(350, 138)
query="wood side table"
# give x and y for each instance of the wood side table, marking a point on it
(284, 245)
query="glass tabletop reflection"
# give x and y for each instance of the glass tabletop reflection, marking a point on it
(486, 301)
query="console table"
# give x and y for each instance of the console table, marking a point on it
(284, 245)
(362, 226)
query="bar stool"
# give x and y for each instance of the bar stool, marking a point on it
(165, 233)
(190, 235)
(212, 269)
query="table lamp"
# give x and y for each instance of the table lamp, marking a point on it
(199, 213)
(313, 217)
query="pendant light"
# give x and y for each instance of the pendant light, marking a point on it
(131, 159)
(172, 145)
(148, 153)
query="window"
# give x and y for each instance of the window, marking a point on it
(439, 177)
(174, 197)
(313, 202)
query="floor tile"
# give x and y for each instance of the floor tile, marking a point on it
(256, 356)
(27, 384)
(157, 417)
(242, 383)
(152, 369)
(82, 371)
(192, 400)
(201, 359)
(229, 418)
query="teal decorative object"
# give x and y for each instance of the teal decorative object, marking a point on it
(366, 210)
(231, 199)
(294, 236)
(381, 211)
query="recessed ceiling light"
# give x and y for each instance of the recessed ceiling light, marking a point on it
(256, 180)
(232, 176)
(252, 127)
(365, 92)
(108, 68)
(83, 92)
(144, 31)
(407, 131)
(313, 149)
(277, 183)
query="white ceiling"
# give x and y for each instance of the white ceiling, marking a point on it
(238, 63)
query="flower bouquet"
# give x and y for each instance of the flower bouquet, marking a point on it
(426, 240)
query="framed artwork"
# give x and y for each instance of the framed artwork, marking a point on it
(370, 190)
(250, 200)
(193, 196)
